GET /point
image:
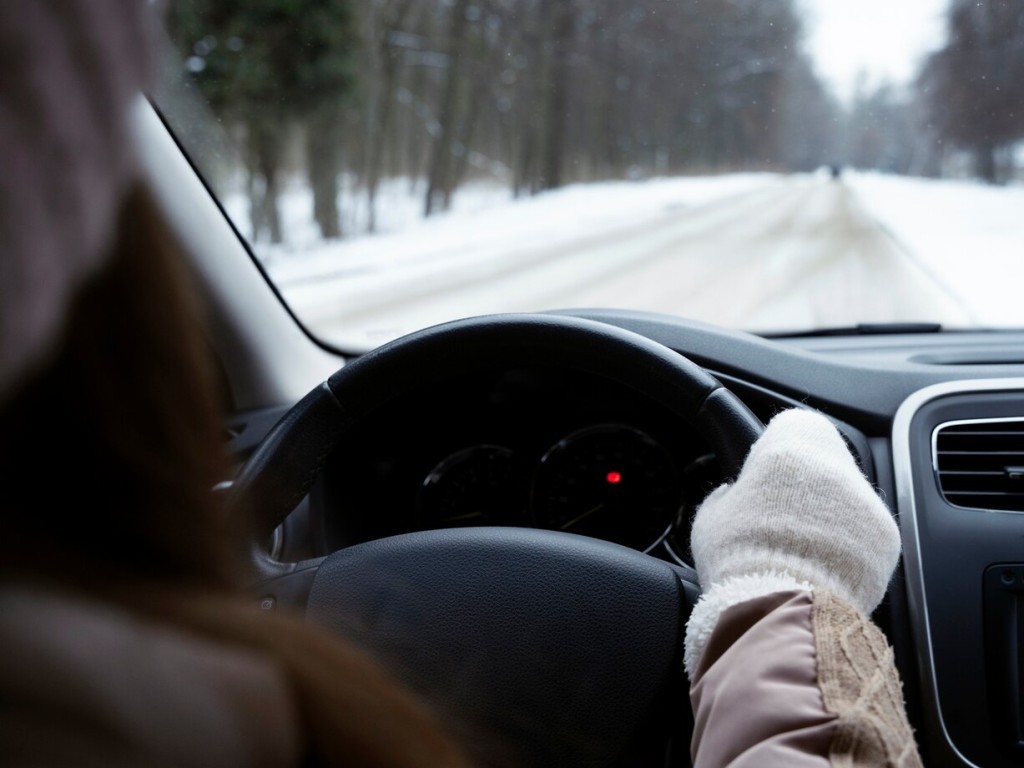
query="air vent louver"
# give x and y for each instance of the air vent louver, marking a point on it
(980, 464)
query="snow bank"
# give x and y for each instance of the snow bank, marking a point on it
(484, 223)
(970, 236)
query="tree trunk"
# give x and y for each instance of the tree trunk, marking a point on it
(556, 93)
(377, 139)
(464, 134)
(985, 163)
(265, 154)
(378, 125)
(323, 160)
(447, 114)
(523, 175)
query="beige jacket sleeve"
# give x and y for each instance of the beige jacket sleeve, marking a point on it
(798, 678)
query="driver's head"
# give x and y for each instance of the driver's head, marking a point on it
(109, 437)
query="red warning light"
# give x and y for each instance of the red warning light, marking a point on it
(614, 477)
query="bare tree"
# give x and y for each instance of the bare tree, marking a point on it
(975, 84)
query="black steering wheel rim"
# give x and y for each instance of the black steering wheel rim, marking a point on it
(515, 615)
(282, 469)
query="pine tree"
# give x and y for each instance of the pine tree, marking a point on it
(269, 65)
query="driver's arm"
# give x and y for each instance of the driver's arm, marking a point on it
(785, 666)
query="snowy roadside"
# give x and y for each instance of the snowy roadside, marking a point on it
(493, 253)
(486, 235)
(968, 235)
(485, 224)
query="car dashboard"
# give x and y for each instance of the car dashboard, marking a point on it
(936, 421)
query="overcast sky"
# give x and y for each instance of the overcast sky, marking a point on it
(885, 39)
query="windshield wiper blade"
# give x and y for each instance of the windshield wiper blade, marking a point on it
(861, 329)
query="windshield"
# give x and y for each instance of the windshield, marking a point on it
(769, 165)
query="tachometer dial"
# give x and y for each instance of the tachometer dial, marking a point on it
(482, 485)
(612, 482)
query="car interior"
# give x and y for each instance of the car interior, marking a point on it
(495, 497)
(429, 485)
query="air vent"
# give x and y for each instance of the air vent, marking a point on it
(980, 464)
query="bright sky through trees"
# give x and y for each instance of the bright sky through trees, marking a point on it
(884, 39)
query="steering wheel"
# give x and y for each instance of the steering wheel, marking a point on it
(547, 648)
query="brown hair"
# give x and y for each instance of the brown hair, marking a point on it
(110, 454)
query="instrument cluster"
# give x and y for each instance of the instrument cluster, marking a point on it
(610, 481)
(545, 448)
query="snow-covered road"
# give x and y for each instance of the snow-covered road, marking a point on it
(798, 253)
(769, 253)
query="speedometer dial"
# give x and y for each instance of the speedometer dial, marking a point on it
(612, 482)
(482, 485)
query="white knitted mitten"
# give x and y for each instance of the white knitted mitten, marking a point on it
(799, 516)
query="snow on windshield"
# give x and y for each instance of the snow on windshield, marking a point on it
(399, 163)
